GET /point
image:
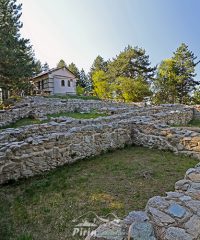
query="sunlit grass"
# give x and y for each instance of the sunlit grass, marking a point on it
(68, 96)
(43, 207)
(30, 121)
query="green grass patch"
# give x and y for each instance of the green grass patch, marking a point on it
(43, 207)
(67, 96)
(22, 122)
(30, 121)
(194, 123)
(78, 115)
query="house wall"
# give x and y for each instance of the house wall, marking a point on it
(1, 97)
(58, 76)
(4, 94)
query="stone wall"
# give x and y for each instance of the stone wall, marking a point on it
(196, 109)
(31, 150)
(175, 216)
(41, 106)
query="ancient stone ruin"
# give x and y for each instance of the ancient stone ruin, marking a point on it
(31, 150)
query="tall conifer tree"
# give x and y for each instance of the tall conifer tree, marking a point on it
(17, 61)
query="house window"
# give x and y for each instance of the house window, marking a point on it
(39, 85)
(69, 84)
(42, 84)
(62, 83)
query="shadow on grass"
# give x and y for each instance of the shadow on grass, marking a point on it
(118, 182)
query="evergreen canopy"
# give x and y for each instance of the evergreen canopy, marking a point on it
(17, 62)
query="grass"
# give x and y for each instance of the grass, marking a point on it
(43, 207)
(29, 121)
(74, 97)
(194, 123)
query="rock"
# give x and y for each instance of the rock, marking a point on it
(193, 205)
(109, 231)
(193, 226)
(158, 202)
(197, 165)
(193, 174)
(176, 210)
(194, 193)
(173, 195)
(136, 216)
(185, 198)
(160, 218)
(29, 140)
(142, 231)
(187, 139)
(182, 185)
(175, 233)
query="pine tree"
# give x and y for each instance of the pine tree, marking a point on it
(61, 64)
(175, 79)
(73, 68)
(83, 79)
(165, 83)
(98, 64)
(131, 63)
(38, 68)
(185, 72)
(17, 61)
(45, 67)
(127, 77)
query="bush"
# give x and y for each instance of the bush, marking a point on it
(80, 90)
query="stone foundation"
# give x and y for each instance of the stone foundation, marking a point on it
(31, 150)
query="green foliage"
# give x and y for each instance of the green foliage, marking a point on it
(17, 61)
(85, 82)
(45, 67)
(196, 97)
(98, 64)
(25, 237)
(165, 83)
(38, 67)
(61, 64)
(131, 90)
(131, 63)
(175, 77)
(80, 90)
(73, 68)
(126, 77)
(82, 79)
(101, 85)
(185, 72)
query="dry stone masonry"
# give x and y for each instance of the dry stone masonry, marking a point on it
(173, 217)
(31, 150)
(40, 106)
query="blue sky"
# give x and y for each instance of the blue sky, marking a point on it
(79, 30)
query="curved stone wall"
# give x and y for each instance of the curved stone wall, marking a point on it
(41, 106)
(175, 216)
(31, 150)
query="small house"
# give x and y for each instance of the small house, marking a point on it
(55, 81)
(4, 94)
